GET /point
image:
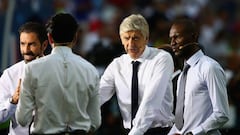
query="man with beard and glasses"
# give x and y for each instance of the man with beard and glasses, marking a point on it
(33, 42)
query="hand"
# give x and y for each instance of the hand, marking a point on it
(15, 97)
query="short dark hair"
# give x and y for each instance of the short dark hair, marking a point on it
(63, 27)
(34, 27)
(189, 26)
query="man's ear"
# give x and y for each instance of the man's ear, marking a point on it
(195, 36)
(75, 39)
(50, 39)
(44, 45)
(146, 40)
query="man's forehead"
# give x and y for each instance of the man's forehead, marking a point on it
(174, 32)
(28, 34)
(132, 33)
(177, 29)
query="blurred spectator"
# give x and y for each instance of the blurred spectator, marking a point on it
(106, 49)
(234, 87)
(219, 21)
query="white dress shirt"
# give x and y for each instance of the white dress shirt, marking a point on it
(63, 90)
(8, 85)
(206, 102)
(155, 89)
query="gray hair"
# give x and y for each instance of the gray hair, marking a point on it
(135, 22)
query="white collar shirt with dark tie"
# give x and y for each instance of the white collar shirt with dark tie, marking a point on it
(155, 89)
(206, 106)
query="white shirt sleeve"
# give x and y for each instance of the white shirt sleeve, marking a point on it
(6, 108)
(26, 101)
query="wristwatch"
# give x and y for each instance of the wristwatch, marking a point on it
(189, 133)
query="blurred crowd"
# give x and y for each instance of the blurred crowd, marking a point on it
(99, 42)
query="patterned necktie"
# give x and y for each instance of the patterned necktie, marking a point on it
(180, 98)
(134, 89)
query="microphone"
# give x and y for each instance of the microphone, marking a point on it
(186, 45)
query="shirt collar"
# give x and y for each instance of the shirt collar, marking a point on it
(142, 57)
(195, 58)
(60, 49)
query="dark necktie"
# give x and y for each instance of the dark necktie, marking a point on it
(134, 89)
(180, 98)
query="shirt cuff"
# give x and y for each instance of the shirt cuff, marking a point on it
(198, 131)
(11, 107)
(135, 131)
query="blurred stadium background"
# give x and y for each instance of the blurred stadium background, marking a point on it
(218, 20)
